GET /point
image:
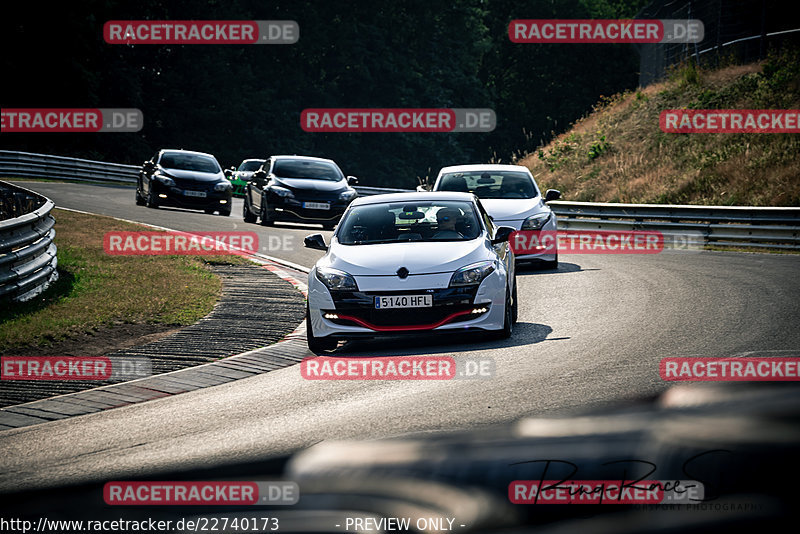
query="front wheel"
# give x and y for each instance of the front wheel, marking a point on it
(140, 201)
(152, 199)
(551, 264)
(265, 219)
(247, 215)
(508, 318)
(316, 344)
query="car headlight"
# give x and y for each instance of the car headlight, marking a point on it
(336, 279)
(536, 222)
(472, 274)
(280, 191)
(166, 180)
(223, 186)
(348, 195)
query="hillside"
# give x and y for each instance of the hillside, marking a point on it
(619, 154)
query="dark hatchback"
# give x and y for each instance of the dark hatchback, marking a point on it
(298, 189)
(184, 179)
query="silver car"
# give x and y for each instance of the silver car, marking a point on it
(511, 197)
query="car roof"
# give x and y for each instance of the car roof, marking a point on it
(310, 158)
(485, 167)
(182, 151)
(414, 196)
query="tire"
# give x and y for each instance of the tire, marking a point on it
(225, 213)
(209, 212)
(140, 201)
(152, 199)
(247, 215)
(316, 344)
(328, 225)
(515, 305)
(265, 220)
(551, 264)
(508, 320)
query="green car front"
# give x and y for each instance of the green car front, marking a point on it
(239, 177)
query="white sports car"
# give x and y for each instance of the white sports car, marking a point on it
(411, 262)
(511, 197)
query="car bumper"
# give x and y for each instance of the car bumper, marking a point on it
(177, 197)
(293, 210)
(352, 315)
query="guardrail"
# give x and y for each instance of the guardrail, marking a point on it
(29, 165)
(723, 226)
(734, 226)
(27, 253)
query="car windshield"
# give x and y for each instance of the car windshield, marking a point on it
(189, 162)
(490, 184)
(250, 165)
(298, 168)
(409, 221)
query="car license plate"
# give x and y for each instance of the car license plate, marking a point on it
(317, 205)
(199, 194)
(404, 301)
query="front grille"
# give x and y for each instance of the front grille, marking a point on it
(446, 302)
(192, 185)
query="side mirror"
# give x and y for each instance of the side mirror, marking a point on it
(422, 189)
(503, 234)
(352, 180)
(552, 194)
(315, 241)
(260, 175)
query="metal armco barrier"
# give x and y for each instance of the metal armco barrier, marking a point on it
(724, 226)
(28, 165)
(27, 253)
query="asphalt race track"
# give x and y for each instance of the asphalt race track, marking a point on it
(590, 334)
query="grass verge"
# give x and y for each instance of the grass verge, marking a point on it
(618, 153)
(95, 289)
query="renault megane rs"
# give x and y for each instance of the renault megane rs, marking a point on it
(411, 262)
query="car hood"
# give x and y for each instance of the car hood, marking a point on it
(310, 184)
(384, 259)
(503, 209)
(194, 175)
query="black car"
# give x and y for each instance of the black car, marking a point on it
(184, 179)
(298, 189)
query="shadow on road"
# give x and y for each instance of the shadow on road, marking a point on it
(563, 267)
(524, 334)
